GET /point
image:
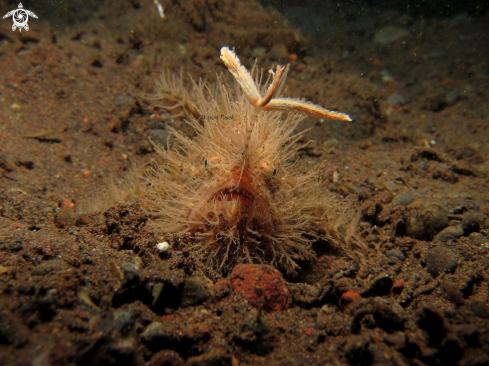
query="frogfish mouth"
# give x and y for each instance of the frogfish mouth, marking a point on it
(235, 215)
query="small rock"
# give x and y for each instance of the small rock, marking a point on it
(83, 219)
(163, 247)
(347, 298)
(123, 320)
(451, 292)
(166, 357)
(380, 286)
(407, 197)
(425, 219)
(362, 192)
(396, 253)
(329, 309)
(452, 97)
(398, 286)
(3, 270)
(448, 234)
(193, 293)
(343, 190)
(305, 295)
(254, 333)
(123, 350)
(439, 259)
(67, 203)
(365, 145)
(262, 285)
(470, 224)
(330, 145)
(156, 332)
(386, 77)
(214, 358)
(131, 274)
(65, 217)
(50, 266)
(392, 186)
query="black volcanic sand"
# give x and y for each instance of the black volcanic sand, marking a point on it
(85, 288)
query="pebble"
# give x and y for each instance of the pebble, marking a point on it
(425, 220)
(407, 197)
(397, 253)
(347, 298)
(330, 145)
(470, 224)
(262, 285)
(386, 77)
(193, 293)
(440, 259)
(50, 266)
(163, 247)
(213, 358)
(67, 203)
(398, 286)
(123, 319)
(448, 234)
(379, 287)
(156, 332)
(166, 357)
(65, 217)
(83, 219)
(452, 97)
(392, 186)
(451, 291)
(329, 309)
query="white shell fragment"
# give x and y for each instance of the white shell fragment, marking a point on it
(163, 247)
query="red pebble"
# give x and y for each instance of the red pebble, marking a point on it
(67, 203)
(262, 285)
(398, 287)
(347, 298)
